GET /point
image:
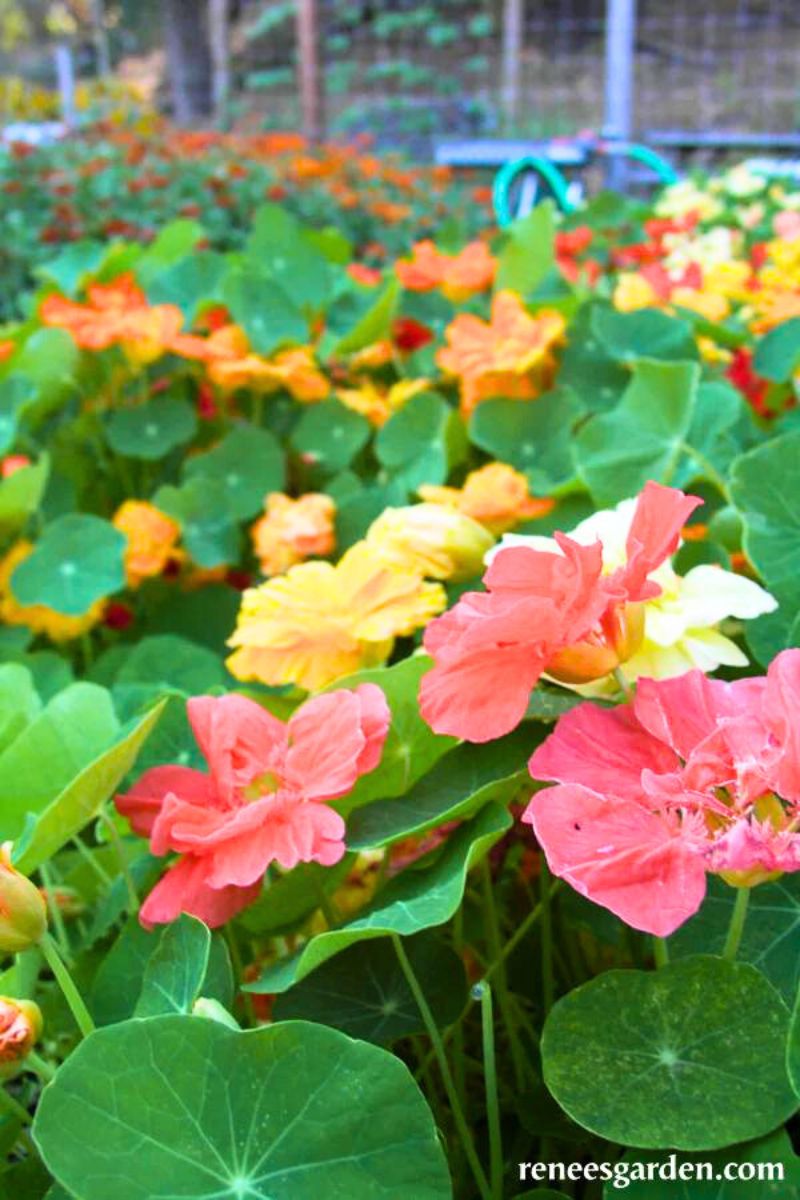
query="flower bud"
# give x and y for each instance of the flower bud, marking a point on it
(23, 912)
(439, 542)
(20, 1029)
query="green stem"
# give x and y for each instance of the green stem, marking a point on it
(548, 982)
(238, 973)
(67, 984)
(444, 1067)
(503, 999)
(41, 1067)
(89, 858)
(660, 952)
(736, 927)
(14, 1108)
(54, 912)
(116, 842)
(326, 904)
(624, 686)
(492, 1100)
(459, 1068)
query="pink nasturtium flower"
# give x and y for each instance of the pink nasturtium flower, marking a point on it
(545, 611)
(694, 776)
(265, 799)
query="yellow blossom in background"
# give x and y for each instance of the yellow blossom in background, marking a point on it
(496, 496)
(680, 199)
(377, 403)
(319, 622)
(293, 530)
(633, 291)
(438, 542)
(38, 617)
(152, 538)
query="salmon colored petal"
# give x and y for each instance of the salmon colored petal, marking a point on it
(601, 748)
(331, 737)
(781, 709)
(617, 854)
(185, 827)
(184, 889)
(482, 694)
(661, 512)
(142, 804)
(290, 832)
(239, 739)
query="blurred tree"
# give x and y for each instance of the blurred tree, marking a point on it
(186, 26)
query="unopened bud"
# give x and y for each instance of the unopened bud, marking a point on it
(20, 1029)
(23, 912)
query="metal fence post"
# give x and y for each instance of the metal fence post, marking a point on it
(619, 84)
(65, 73)
(310, 69)
(512, 62)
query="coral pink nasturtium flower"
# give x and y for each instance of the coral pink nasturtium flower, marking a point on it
(545, 611)
(695, 775)
(265, 799)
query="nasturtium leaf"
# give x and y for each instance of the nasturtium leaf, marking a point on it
(765, 490)
(19, 702)
(21, 494)
(73, 266)
(165, 663)
(16, 394)
(263, 309)
(422, 441)
(176, 969)
(192, 283)
(83, 797)
(26, 1180)
(181, 1106)
(535, 438)
(644, 436)
(51, 672)
(279, 249)
(411, 747)
(547, 704)
(777, 354)
(78, 560)
(174, 243)
(416, 899)
(587, 366)
(651, 1175)
(771, 938)
(208, 524)
(51, 750)
(289, 899)
(248, 464)
(364, 993)
(645, 333)
(205, 616)
(690, 1057)
(528, 252)
(117, 984)
(151, 430)
(48, 360)
(330, 434)
(373, 325)
(460, 783)
(356, 511)
(714, 437)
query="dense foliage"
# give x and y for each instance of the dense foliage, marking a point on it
(328, 550)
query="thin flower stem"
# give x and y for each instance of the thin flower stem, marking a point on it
(492, 1100)
(54, 912)
(326, 904)
(88, 857)
(624, 686)
(660, 952)
(67, 984)
(503, 998)
(116, 842)
(238, 973)
(14, 1108)
(41, 1067)
(459, 1071)
(736, 927)
(444, 1067)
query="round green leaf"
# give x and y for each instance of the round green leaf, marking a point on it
(535, 438)
(363, 990)
(248, 464)
(201, 506)
(78, 560)
(151, 430)
(421, 441)
(330, 434)
(183, 1107)
(690, 1057)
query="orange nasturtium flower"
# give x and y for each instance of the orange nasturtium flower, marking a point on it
(38, 617)
(319, 622)
(458, 275)
(152, 537)
(293, 530)
(116, 314)
(21, 1027)
(496, 496)
(7, 348)
(377, 403)
(510, 355)
(232, 364)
